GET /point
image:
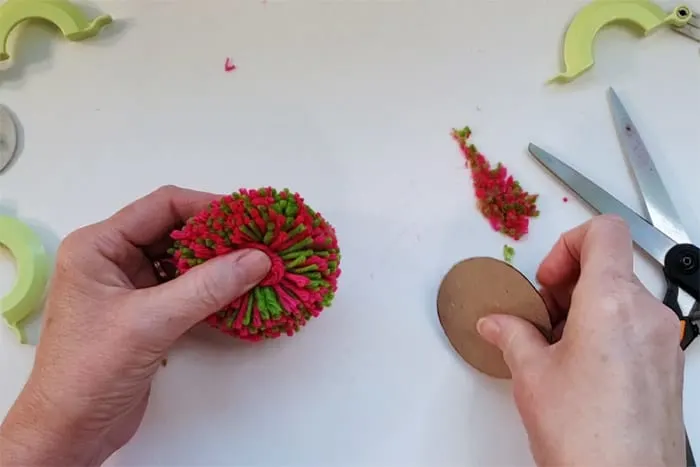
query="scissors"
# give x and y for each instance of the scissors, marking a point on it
(660, 234)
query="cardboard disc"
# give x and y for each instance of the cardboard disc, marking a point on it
(479, 287)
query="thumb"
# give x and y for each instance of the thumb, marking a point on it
(518, 339)
(205, 289)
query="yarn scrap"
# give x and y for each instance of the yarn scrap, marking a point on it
(501, 199)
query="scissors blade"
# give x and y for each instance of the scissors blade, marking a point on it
(659, 207)
(646, 236)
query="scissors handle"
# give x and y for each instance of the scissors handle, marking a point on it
(689, 330)
(689, 456)
(682, 271)
(682, 267)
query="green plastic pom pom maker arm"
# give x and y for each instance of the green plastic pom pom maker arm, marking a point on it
(589, 20)
(68, 17)
(32, 273)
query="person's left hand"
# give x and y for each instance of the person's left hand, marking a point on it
(108, 325)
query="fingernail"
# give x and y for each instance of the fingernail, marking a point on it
(488, 328)
(255, 264)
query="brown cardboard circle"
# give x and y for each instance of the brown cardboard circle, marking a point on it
(477, 287)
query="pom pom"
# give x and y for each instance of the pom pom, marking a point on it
(301, 245)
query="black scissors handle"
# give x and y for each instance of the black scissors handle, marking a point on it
(682, 271)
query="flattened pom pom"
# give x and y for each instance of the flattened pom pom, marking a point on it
(301, 244)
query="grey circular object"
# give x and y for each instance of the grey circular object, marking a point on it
(8, 138)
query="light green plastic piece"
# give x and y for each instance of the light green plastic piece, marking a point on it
(581, 33)
(69, 18)
(32, 273)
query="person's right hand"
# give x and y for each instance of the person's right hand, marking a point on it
(609, 391)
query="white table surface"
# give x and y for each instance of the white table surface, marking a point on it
(351, 104)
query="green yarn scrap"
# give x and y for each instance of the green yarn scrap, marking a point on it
(508, 253)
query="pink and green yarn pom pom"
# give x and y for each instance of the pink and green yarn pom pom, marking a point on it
(301, 244)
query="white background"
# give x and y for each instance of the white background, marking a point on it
(351, 104)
